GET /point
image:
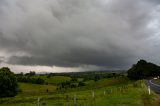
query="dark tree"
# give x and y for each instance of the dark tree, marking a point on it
(74, 79)
(8, 83)
(31, 73)
(114, 75)
(97, 77)
(143, 70)
(39, 81)
(50, 75)
(81, 84)
(20, 74)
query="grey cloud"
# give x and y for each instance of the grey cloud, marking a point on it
(1, 59)
(77, 57)
(77, 32)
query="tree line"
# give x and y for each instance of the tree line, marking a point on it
(29, 78)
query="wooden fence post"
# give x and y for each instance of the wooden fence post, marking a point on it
(75, 102)
(149, 90)
(93, 94)
(38, 102)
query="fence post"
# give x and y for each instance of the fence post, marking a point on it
(104, 92)
(93, 94)
(149, 90)
(38, 102)
(75, 102)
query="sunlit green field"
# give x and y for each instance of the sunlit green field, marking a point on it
(35, 89)
(55, 79)
(107, 92)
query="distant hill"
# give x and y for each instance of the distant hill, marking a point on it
(143, 69)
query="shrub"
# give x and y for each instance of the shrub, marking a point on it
(8, 83)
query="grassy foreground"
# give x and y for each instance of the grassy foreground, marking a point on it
(105, 92)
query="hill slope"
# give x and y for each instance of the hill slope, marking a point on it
(143, 69)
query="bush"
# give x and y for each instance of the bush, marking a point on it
(8, 83)
(81, 84)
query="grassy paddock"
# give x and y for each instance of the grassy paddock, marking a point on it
(56, 79)
(118, 92)
(35, 89)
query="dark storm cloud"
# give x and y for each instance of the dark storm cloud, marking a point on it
(74, 59)
(72, 33)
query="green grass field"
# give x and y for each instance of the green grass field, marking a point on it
(35, 89)
(55, 79)
(107, 92)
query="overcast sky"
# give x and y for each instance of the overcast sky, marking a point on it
(78, 35)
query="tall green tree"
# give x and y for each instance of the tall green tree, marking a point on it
(8, 83)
